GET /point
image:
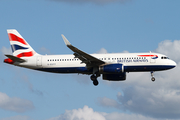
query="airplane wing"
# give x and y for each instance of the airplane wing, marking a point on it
(88, 59)
(14, 58)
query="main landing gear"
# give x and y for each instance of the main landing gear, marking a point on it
(94, 79)
(152, 76)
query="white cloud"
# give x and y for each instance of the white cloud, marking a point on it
(14, 104)
(84, 113)
(170, 48)
(124, 116)
(87, 113)
(102, 51)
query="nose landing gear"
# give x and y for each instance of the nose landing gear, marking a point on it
(153, 78)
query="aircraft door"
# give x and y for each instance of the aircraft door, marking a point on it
(39, 61)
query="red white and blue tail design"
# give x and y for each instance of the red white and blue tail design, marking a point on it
(20, 47)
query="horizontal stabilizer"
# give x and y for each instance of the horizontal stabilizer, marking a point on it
(14, 58)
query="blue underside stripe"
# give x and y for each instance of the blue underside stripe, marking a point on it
(147, 68)
(126, 69)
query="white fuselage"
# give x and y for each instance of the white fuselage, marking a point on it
(132, 62)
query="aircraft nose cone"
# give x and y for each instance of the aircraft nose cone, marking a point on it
(173, 64)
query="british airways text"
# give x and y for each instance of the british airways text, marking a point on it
(127, 61)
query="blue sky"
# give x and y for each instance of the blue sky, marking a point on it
(90, 25)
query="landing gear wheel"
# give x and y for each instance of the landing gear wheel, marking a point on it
(153, 79)
(93, 77)
(95, 82)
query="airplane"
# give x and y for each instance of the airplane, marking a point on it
(112, 66)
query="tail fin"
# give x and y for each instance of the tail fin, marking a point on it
(20, 47)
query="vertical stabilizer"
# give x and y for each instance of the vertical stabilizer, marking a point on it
(20, 47)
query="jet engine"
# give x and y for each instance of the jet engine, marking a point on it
(111, 69)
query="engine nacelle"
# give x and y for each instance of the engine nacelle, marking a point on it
(115, 77)
(111, 69)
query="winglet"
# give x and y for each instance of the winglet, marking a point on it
(65, 40)
(84, 57)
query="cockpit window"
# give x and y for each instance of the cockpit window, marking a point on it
(164, 57)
